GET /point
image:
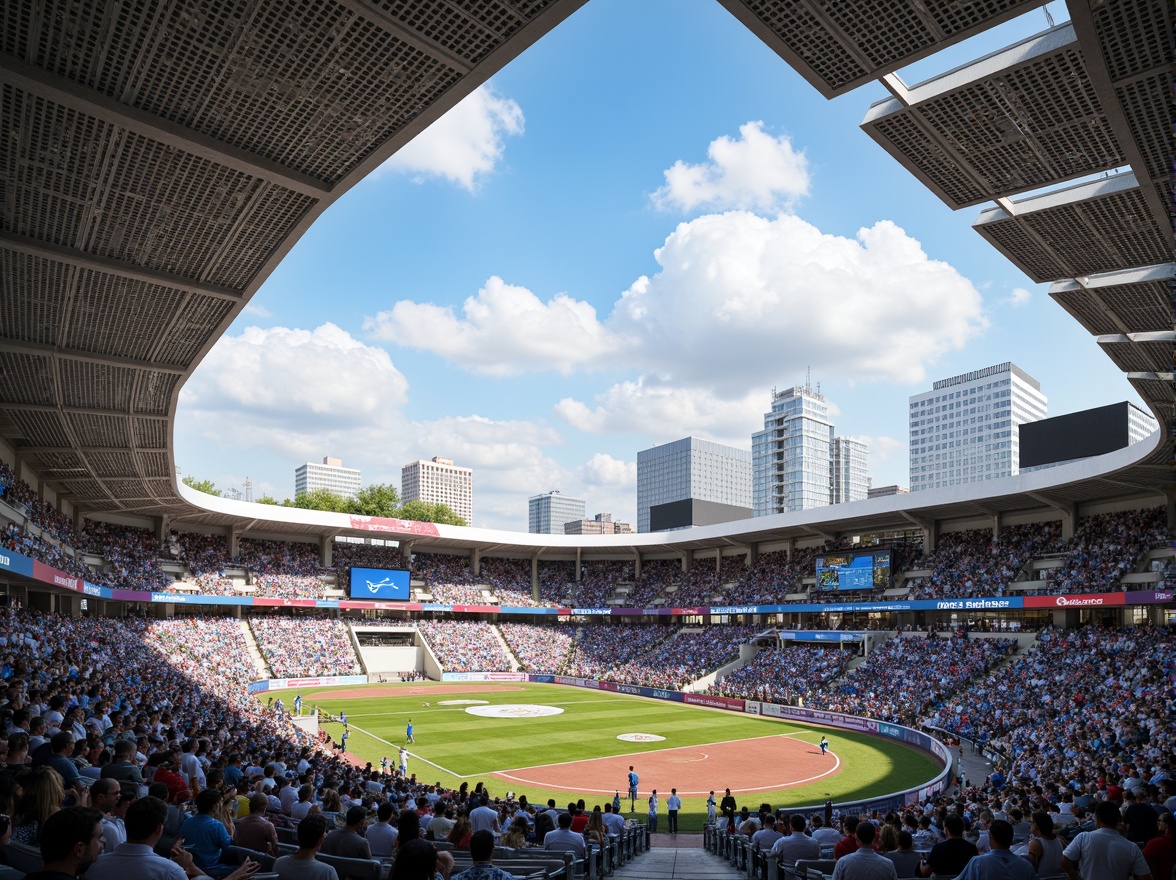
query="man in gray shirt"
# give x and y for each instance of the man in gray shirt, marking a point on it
(303, 865)
(796, 845)
(348, 842)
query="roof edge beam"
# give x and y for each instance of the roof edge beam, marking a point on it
(109, 266)
(79, 410)
(43, 350)
(406, 35)
(71, 94)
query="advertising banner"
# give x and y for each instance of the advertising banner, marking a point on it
(47, 575)
(17, 564)
(399, 526)
(729, 703)
(279, 684)
(186, 599)
(1088, 600)
(265, 602)
(483, 676)
(1150, 597)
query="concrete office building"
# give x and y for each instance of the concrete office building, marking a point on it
(692, 482)
(330, 475)
(849, 464)
(965, 429)
(547, 513)
(601, 524)
(439, 481)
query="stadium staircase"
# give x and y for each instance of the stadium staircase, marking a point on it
(678, 863)
(263, 669)
(515, 666)
(354, 639)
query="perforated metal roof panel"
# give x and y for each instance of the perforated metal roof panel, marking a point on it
(838, 45)
(1096, 227)
(1120, 302)
(1018, 119)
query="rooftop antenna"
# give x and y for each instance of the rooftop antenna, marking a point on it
(248, 489)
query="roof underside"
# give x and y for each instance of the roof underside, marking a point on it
(158, 159)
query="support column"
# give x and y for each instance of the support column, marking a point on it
(162, 526)
(233, 538)
(405, 548)
(687, 560)
(995, 527)
(476, 562)
(327, 551)
(752, 554)
(789, 549)
(719, 563)
(579, 563)
(637, 566)
(1170, 497)
(535, 577)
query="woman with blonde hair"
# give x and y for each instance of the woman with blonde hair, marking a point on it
(41, 794)
(461, 832)
(516, 835)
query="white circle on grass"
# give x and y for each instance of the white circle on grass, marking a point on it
(463, 703)
(641, 738)
(514, 710)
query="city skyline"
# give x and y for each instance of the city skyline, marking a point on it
(598, 252)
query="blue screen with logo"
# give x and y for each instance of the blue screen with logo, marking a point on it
(379, 583)
(854, 571)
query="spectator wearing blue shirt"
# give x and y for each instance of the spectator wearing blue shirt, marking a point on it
(209, 832)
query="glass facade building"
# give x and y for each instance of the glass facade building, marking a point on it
(792, 456)
(547, 514)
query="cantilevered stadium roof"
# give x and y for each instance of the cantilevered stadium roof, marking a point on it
(158, 159)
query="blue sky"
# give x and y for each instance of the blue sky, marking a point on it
(632, 233)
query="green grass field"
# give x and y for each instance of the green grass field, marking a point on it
(454, 747)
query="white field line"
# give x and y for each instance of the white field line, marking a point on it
(414, 755)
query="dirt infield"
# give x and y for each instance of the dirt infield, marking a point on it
(746, 766)
(408, 690)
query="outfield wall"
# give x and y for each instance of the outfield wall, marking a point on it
(907, 735)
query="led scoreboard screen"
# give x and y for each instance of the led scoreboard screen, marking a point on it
(379, 583)
(854, 571)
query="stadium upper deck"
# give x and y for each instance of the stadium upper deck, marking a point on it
(159, 160)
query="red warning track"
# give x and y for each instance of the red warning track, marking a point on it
(745, 766)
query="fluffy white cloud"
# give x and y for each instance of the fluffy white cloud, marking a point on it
(1019, 298)
(465, 144)
(283, 376)
(756, 172)
(604, 470)
(666, 412)
(505, 329)
(744, 300)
